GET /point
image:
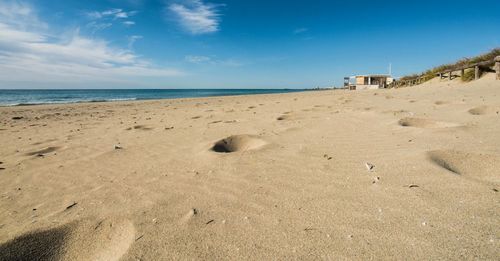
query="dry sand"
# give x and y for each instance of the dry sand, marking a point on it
(409, 173)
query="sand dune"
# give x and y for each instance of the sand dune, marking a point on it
(409, 173)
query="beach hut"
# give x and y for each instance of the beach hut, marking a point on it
(369, 82)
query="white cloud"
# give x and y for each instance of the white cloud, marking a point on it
(20, 14)
(196, 17)
(28, 53)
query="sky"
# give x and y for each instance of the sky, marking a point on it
(233, 43)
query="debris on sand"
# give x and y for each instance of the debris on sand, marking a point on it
(413, 186)
(369, 166)
(118, 147)
(17, 117)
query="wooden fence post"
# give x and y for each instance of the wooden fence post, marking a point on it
(476, 72)
(462, 72)
(497, 66)
(449, 76)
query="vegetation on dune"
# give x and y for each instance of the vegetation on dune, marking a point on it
(469, 74)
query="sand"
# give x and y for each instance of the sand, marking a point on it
(409, 173)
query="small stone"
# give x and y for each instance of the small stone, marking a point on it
(118, 147)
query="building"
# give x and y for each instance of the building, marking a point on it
(367, 82)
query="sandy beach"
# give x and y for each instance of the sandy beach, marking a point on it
(404, 174)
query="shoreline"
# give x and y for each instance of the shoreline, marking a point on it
(232, 92)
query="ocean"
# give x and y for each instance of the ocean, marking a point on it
(32, 97)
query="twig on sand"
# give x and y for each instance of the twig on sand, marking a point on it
(72, 205)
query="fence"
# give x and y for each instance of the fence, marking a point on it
(478, 69)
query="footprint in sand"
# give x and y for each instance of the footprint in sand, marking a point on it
(483, 110)
(108, 239)
(482, 167)
(426, 123)
(238, 143)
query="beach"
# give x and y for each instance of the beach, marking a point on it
(410, 173)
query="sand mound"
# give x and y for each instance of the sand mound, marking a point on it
(42, 151)
(482, 110)
(238, 143)
(476, 166)
(83, 240)
(425, 123)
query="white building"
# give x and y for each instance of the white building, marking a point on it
(367, 82)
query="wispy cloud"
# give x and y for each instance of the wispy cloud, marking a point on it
(132, 39)
(28, 53)
(300, 30)
(116, 13)
(196, 17)
(96, 26)
(129, 23)
(101, 20)
(200, 59)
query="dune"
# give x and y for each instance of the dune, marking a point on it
(382, 174)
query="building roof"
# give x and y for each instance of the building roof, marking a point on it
(373, 75)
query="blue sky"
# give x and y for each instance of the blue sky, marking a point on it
(232, 44)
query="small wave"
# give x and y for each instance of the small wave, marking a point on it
(65, 102)
(111, 100)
